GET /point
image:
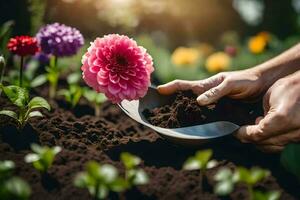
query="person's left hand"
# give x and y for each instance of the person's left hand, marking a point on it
(281, 122)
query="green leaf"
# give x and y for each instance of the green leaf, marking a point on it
(17, 95)
(36, 148)
(93, 169)
(290, 159)
(39, 102)
(109, 173)
(130, 161)
(200, 160)
(272, 195)
(223, 174)
(204, 155)
(9, 113)
(6, 168)
(38, 81)
(252, 176)
(18, 188)
(223, 188)
(225, 182)
(43, 157)
(81, 180)
(35, 114)
(139, 176)
(102, 191)
(119, 185)
(31, 157)
(74, 78)
(192, 164)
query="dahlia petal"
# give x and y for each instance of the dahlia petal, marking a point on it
(114, 88)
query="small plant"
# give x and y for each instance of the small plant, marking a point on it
(226, 180)
(72, 94)
(12, 187)
(95, 98)
(133, 174)
(43, 157)
(26, 107)
(201, 161)
(100, 180)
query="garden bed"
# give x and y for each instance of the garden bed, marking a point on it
(86, 137)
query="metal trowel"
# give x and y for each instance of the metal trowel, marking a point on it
(191, 135)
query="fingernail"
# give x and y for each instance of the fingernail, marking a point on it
(202, 99)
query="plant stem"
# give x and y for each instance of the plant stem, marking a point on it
(54, 78)
(21, 72)
(97, 110)
(250, 189)
(2, 68)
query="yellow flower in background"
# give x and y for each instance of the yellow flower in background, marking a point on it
(266, 35)
(183, 56)
(205, 49)
(217, 62)
(258, 43)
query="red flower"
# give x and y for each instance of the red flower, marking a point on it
(23, 45)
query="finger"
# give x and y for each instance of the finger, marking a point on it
(271, 125)
(270, 148)
(197, 87)
(176, 85)
(283, 139)
(213, 94)
(258, 119)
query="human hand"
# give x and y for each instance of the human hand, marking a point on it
(280, 124)
(237, 85)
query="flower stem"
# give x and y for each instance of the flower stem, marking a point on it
(54, 75)
(21, 71)
(97, 110)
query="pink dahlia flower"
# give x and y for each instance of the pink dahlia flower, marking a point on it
(116, 66)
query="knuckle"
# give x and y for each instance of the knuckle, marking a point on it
(282, 117)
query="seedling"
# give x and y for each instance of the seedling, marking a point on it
(26, 107)
(100, 180)
(201, 161)
(226, 180)
(42, 158)
(95, 98)
(133, 174)
(12, 187)
(53, 72)
(72, 94)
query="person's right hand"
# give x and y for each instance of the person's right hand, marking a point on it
(237, 85)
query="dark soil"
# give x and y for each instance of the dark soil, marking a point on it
(104, 138)
(185, 111)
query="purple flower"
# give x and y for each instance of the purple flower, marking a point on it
(42, 58)
(59, 40)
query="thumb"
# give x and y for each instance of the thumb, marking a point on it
(250, 133)
(214, 94)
